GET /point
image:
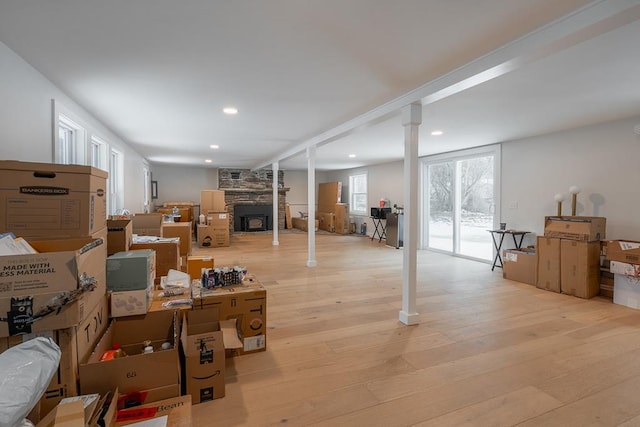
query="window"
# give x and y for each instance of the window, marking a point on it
(461, 192)
(115, 201)
(98, 153)
(358, 194)
(70, 142)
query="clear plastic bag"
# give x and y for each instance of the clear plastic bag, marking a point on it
(25, 373)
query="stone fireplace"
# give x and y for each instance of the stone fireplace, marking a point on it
(249, 198)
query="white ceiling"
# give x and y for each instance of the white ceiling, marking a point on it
(330, 72)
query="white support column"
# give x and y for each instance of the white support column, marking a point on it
(276, 203)
(311, 206)
(411, 120)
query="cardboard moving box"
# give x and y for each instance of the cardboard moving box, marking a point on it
(120, 233)
(329, 193)
(182, 230)
(247, 303)
(548, 250)
(167, 255)
(204, 350)
(52, 200)
(29, 282)
(196, 263)
(583, 228)
(147, 224)
(177, 410)
(132, 270)
(212, 200)
(520, 265)
(211, 237)
(623, 251)
(137, 371)
(580, 268)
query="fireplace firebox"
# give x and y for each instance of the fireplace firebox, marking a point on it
(252, 217)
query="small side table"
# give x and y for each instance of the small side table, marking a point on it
(380, 229)
(497, 243)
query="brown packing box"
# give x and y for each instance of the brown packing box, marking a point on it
(218, 220)
(120, 233)
(29, 282)
(520, 265)
(167, 256)
(212, 200)
(329, 193)
(580, 268)
(342, 218)
(136, 371)
(52, 200)
(196, 263)
(211, 237)
(204, 350)
(184, 212)
(624, 251)
(147, 224)
(548, 250)
(75, 344)
(177, 410)
(303, 224)
(327, 221)
(583, 228)
(247, 303)
(73, 412)
(182, 230)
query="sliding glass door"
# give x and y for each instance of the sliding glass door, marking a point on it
(460, 199)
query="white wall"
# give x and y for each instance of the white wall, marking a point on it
(602, 160)
(182, 184)
(384, 181)
(26, 122)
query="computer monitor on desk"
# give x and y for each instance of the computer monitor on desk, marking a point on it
(380, 213)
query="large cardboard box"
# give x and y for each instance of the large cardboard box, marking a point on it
(327, 221)
(580, 268)
(247, 303)
(167, 255)
(182, 230)
(211, 237)
(75, 344)
(342, 218)
(212, 200)
(623, 251)
(147, 224)
(548, 250)
(131, 270)
(52, 200)
(520, 265)
(626, 291)
(120, 233)
(583, 228)
(204, 355)
(131, 303)
(137, 371)
(218, 220)
(196, 263)
(29, 282)
(303, 224)
(329, 193)
(177, 410)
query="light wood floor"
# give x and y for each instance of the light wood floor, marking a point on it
(487, 351)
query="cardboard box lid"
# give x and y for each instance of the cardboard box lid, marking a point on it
(51, 167)
(199, 325)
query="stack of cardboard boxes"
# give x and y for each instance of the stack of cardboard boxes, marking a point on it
(569, 255)
(215, 232)
(61, 211)
(332, 215)
(624, 259)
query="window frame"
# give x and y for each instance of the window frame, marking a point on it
(353, 193)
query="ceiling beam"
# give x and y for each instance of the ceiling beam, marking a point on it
(588, 22)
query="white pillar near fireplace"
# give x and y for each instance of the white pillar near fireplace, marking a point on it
(276, 204)
(311, 206)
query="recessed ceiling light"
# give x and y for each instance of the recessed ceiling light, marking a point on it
(208, 161)
(230, 110)
(437, 133)
(214, 146)
(351, 156)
